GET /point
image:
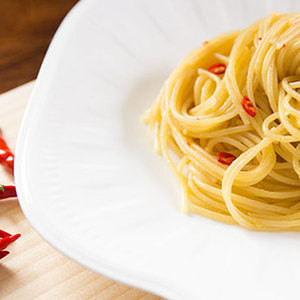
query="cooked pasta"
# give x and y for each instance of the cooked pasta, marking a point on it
(227, 120)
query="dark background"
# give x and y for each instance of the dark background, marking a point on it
(26, 29)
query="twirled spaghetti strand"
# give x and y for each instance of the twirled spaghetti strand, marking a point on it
(228, 122)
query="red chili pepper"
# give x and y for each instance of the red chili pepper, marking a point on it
(260, 38)
(283, 45)
(8, 240)
(6, 156)
(7, 191)
(188, 143)
(3, 254)
(4, 234)
(217, 69)
(226, 158)
(205, 42)
(5, 242)
(14, 237)
(248, 107)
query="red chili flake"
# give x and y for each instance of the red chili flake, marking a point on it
(217, 69)
(4, 234)
(188, 143)
(3, 254)
(226, 158)
(248, 107)
(205, 42)
(260, 38)
(8, 240)
(283, 45)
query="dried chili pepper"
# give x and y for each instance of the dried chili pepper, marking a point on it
(8, 240)
(4, 234)
(6, 155)
(7, 191)
(226, 158)
(217, 69)
(3, 254)
(249, 107)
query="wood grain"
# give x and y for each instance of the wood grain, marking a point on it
(33, 269)
(26, 29)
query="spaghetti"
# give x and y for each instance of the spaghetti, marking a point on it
(228, 122)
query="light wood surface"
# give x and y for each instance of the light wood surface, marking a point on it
(33, 269)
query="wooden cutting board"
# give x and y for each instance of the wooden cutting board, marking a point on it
(34, 270)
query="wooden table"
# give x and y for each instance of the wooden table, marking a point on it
(34, 270)
(26, 29)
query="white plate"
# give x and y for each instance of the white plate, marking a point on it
(87, 177)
